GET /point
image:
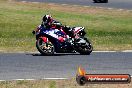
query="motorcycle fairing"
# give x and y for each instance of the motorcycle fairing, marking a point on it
(56, 37)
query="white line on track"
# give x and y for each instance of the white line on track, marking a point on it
(55, 78)
(86, 6)
(22, 79)
(127, 51)
(35, 79)
(104, 51)
(120, 9)
(23, 1)
(110, 8)
(100, 7)
(114, 51)
(2, 80)
(38, 79)
(35, 2)
(64, 4)
(76, 5)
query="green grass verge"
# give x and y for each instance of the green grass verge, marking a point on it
(70, 83)
(107, 29)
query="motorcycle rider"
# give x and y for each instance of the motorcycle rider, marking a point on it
(49, 23)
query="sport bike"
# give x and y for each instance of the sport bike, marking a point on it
(50, 41)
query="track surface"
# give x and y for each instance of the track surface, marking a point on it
(123, 4)
(35, 66)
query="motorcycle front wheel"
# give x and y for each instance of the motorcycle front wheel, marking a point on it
(45, 48)
(85, 48)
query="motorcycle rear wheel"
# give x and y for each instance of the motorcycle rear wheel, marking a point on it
(45, 48)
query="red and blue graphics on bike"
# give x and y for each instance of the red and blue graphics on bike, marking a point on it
(55, 33)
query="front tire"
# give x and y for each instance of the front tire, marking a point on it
(85, 48)
(45, 48)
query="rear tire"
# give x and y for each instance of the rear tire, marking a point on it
(45, 48)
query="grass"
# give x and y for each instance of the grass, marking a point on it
(69, 83)
(107, 29)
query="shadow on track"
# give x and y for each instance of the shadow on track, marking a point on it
(56, 54)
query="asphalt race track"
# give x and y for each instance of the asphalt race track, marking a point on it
(35, 66)
(120, 4)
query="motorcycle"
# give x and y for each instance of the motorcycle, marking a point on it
(49, 41)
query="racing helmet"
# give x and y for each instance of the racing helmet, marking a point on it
(47, 18)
